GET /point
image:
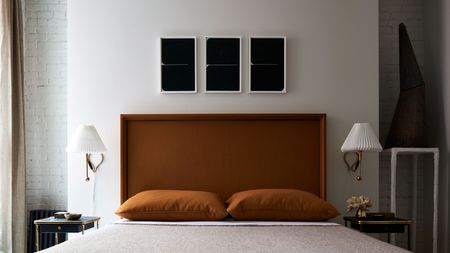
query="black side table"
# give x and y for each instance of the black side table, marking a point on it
(54, 225)
(385, 225)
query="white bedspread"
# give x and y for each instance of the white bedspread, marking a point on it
(241, 237)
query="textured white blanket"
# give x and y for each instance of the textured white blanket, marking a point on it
(166, 238)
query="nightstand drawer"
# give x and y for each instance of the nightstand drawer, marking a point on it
(379, 228)
(64, 228)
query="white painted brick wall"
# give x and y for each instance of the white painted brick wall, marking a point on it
(45, 25)
(392, 13)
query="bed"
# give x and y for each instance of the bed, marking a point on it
(224, 154)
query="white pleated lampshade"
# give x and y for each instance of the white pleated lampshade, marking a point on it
(361, 138)
(86, 140)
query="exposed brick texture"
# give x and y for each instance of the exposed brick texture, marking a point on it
(392, 13)
(45, 25)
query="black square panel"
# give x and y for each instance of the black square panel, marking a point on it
(222, 78)
(267, 50)
(178, 78)
(267, 78)
(178, 51)
(223, 50)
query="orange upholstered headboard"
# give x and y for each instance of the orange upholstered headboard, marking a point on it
(222, 153)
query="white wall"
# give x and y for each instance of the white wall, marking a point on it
(113, 66)
(45, 28)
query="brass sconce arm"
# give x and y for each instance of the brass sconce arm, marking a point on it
(355, 165)
(91, 165)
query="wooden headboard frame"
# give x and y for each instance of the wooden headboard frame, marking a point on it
(222, 153)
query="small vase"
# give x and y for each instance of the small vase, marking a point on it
(361, 213)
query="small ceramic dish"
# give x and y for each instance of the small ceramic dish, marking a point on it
(72, 216)
(60, 215)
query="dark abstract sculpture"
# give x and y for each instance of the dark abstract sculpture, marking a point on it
(408, 124)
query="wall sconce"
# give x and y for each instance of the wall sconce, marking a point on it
(361, 138)
(86, 140)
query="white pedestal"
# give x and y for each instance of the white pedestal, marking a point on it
(415, 152)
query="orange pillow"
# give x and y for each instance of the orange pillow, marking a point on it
(173, 205)
(279, 204)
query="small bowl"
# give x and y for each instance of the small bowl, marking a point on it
(60, 215)
(72, 216)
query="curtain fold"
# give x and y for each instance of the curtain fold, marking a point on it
(12, 130)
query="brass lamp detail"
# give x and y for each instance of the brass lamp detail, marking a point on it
(355, 165)
(361, 138)
(87, 140)
(91, 165)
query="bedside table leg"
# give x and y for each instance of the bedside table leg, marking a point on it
(82, 229)
(56, 238)
(389, 237)
(409, 237)
(37, 238)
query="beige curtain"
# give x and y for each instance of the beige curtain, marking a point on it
(12, 141)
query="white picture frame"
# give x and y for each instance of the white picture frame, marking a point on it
(250, 64)
(240, 64)
(195, 66)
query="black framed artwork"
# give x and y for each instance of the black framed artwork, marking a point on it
(178, 65)
(223, 64)
(267, 68)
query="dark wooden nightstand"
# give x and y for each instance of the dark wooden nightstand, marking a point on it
(53, 225)
(376, 225)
